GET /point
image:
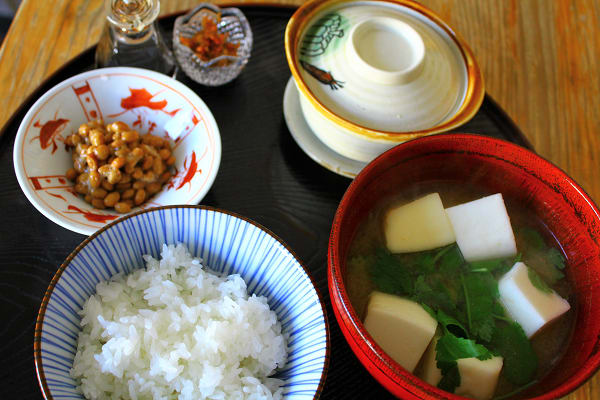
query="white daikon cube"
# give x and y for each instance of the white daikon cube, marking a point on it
(482, 228)
(417, 226)
(531, 307)
(402, 328)
(478, 379)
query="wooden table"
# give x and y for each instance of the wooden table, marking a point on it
(540, 60)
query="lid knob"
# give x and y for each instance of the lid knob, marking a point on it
(385, 50)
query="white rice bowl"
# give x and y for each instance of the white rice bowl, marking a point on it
(228, 244)
(177, 331)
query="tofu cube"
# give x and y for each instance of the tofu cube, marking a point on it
(531, 307)
(402, 328)
(482, 228)
(417, 226)
(430, 373)
(478, 379)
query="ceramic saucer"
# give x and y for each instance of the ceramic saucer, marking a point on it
(308, 141)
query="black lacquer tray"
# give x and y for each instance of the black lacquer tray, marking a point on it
(264, 176)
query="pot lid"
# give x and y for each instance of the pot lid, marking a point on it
(382, 65)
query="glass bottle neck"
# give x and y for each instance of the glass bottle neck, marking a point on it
(130, 38)
(132, 18)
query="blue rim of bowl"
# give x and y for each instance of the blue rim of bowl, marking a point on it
(37, 337)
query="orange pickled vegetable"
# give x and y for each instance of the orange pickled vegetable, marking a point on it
(209, 43)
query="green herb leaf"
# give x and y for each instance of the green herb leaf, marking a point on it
(481, 292)
(423, 263)
(450, 259)
(441, 289)
(537, 281)
(500, 313)
(451, 379)
(451, 348)
(546, 261)
(545, 269)
(487, 265)
(533, 237)
(435, 294)
(390, 276)
(429, 310)
(520, 362)
(497, 267)
(421, 285)
(451, 324)
(556, 258)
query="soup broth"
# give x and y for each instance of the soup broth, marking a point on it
(533, 240)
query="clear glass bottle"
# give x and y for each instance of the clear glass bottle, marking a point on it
(130, 37)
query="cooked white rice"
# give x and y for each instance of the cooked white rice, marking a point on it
(177, 331)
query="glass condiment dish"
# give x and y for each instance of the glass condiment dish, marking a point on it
(223, 68)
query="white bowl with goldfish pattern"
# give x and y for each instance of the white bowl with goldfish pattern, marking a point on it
(147, 101)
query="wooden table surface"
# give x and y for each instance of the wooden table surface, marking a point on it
(540, 61)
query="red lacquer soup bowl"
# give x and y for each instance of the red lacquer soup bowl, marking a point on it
(494, 166)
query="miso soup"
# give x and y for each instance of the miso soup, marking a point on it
(436, 287)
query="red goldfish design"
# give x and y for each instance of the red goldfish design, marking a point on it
(50, 131)
(143, 98)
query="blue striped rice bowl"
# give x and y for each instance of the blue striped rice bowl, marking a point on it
(228, 244)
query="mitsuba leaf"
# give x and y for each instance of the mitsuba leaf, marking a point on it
(487, 265)
(520, 362)
(500, 313)
(497, 267)
(481, 292)
(421, 285)
(451, 348)
(429, 310)
(451, 324)
(537, 281)
(434, 294)
(556, 258)
(550, 273)
(423, 263)
(390, 276)
(451, 379)
(546, 261)
(533, 237)
(448, 323)
(450, 259)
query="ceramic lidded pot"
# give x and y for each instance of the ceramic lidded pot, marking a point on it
(372, 74)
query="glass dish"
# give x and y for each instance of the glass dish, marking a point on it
(224, 68)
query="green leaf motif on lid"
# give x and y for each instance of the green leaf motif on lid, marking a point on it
(326, 32)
